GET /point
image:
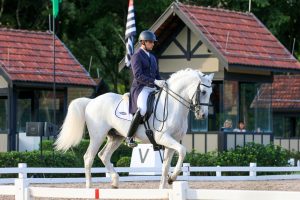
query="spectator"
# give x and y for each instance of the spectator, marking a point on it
(227, 126)
(241, 127)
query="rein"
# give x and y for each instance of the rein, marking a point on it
(188, 104)
(183, 101)
(165, 109)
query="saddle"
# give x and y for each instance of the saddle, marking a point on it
(122, 110)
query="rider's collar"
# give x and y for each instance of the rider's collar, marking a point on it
(147, 52)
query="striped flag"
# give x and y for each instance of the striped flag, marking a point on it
(130, 33)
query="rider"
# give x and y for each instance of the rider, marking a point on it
(145, 78)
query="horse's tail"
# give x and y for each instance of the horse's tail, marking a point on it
(72, 129)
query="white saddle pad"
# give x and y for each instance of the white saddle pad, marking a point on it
(122, 110)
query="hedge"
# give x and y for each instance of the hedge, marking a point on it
(35, 159)
(269, 155)
(80, 150)
(263, 155)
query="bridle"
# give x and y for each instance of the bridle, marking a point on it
(188, 104)
(197, 94)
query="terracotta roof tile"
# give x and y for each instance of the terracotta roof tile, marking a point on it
(285, 91)
(28, 56)
(240, 37)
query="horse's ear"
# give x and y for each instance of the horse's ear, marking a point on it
(211, 76)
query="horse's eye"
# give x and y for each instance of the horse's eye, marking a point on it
(203, 93)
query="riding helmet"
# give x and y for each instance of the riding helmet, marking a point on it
(147, 35)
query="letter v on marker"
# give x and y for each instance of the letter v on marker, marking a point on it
(141, 156)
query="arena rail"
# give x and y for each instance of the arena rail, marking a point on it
(186, 175)
(180, 191)
(22, 189)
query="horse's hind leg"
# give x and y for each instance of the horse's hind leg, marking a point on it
(96, 140)
(113, 142)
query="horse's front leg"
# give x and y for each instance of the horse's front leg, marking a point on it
(181, 154)
(168, 155)
(169, 142)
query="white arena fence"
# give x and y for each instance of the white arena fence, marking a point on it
(293, 173)
(180, 191)
(22, 190)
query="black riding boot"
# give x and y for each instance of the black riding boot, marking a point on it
(133, 128)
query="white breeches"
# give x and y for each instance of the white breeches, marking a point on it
(142, 99)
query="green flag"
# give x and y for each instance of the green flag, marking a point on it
(55, 6)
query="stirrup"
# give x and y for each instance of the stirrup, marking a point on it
(130, 142)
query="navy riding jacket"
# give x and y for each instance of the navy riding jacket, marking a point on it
(145, 71)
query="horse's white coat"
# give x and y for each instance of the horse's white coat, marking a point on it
(99, 115)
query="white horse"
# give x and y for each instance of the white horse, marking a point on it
(186, 89)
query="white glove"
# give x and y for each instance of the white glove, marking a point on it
(160, 83)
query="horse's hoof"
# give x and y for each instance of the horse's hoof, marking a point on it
(114, 187)
(170, 181)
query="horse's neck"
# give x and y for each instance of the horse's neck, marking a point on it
(176, 109)
(182, 87)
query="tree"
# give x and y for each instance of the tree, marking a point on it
(24, 14)
(94, 27)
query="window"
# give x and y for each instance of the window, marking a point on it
(197, 125)
(37, 106)
(286, 126)
(230, 108)
(255, 106)
(45, 109)
(235, 101)
(3, 114)
(24, 109)
(215, 119)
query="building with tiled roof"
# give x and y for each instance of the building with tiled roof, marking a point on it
(240, 38)
(27, 88)
(241, 52)
(27, 56)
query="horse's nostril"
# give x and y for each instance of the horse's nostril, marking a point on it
(203, 115)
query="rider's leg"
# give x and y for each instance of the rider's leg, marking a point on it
(142, 108)
(133, 128)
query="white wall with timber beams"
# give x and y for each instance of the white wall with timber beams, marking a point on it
(3, 82)
(172, 60)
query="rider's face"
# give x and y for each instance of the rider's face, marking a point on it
(149, 45)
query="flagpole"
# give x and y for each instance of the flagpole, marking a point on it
(54, 74)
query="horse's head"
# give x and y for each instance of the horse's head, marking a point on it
(200, 98)
(192, 89)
